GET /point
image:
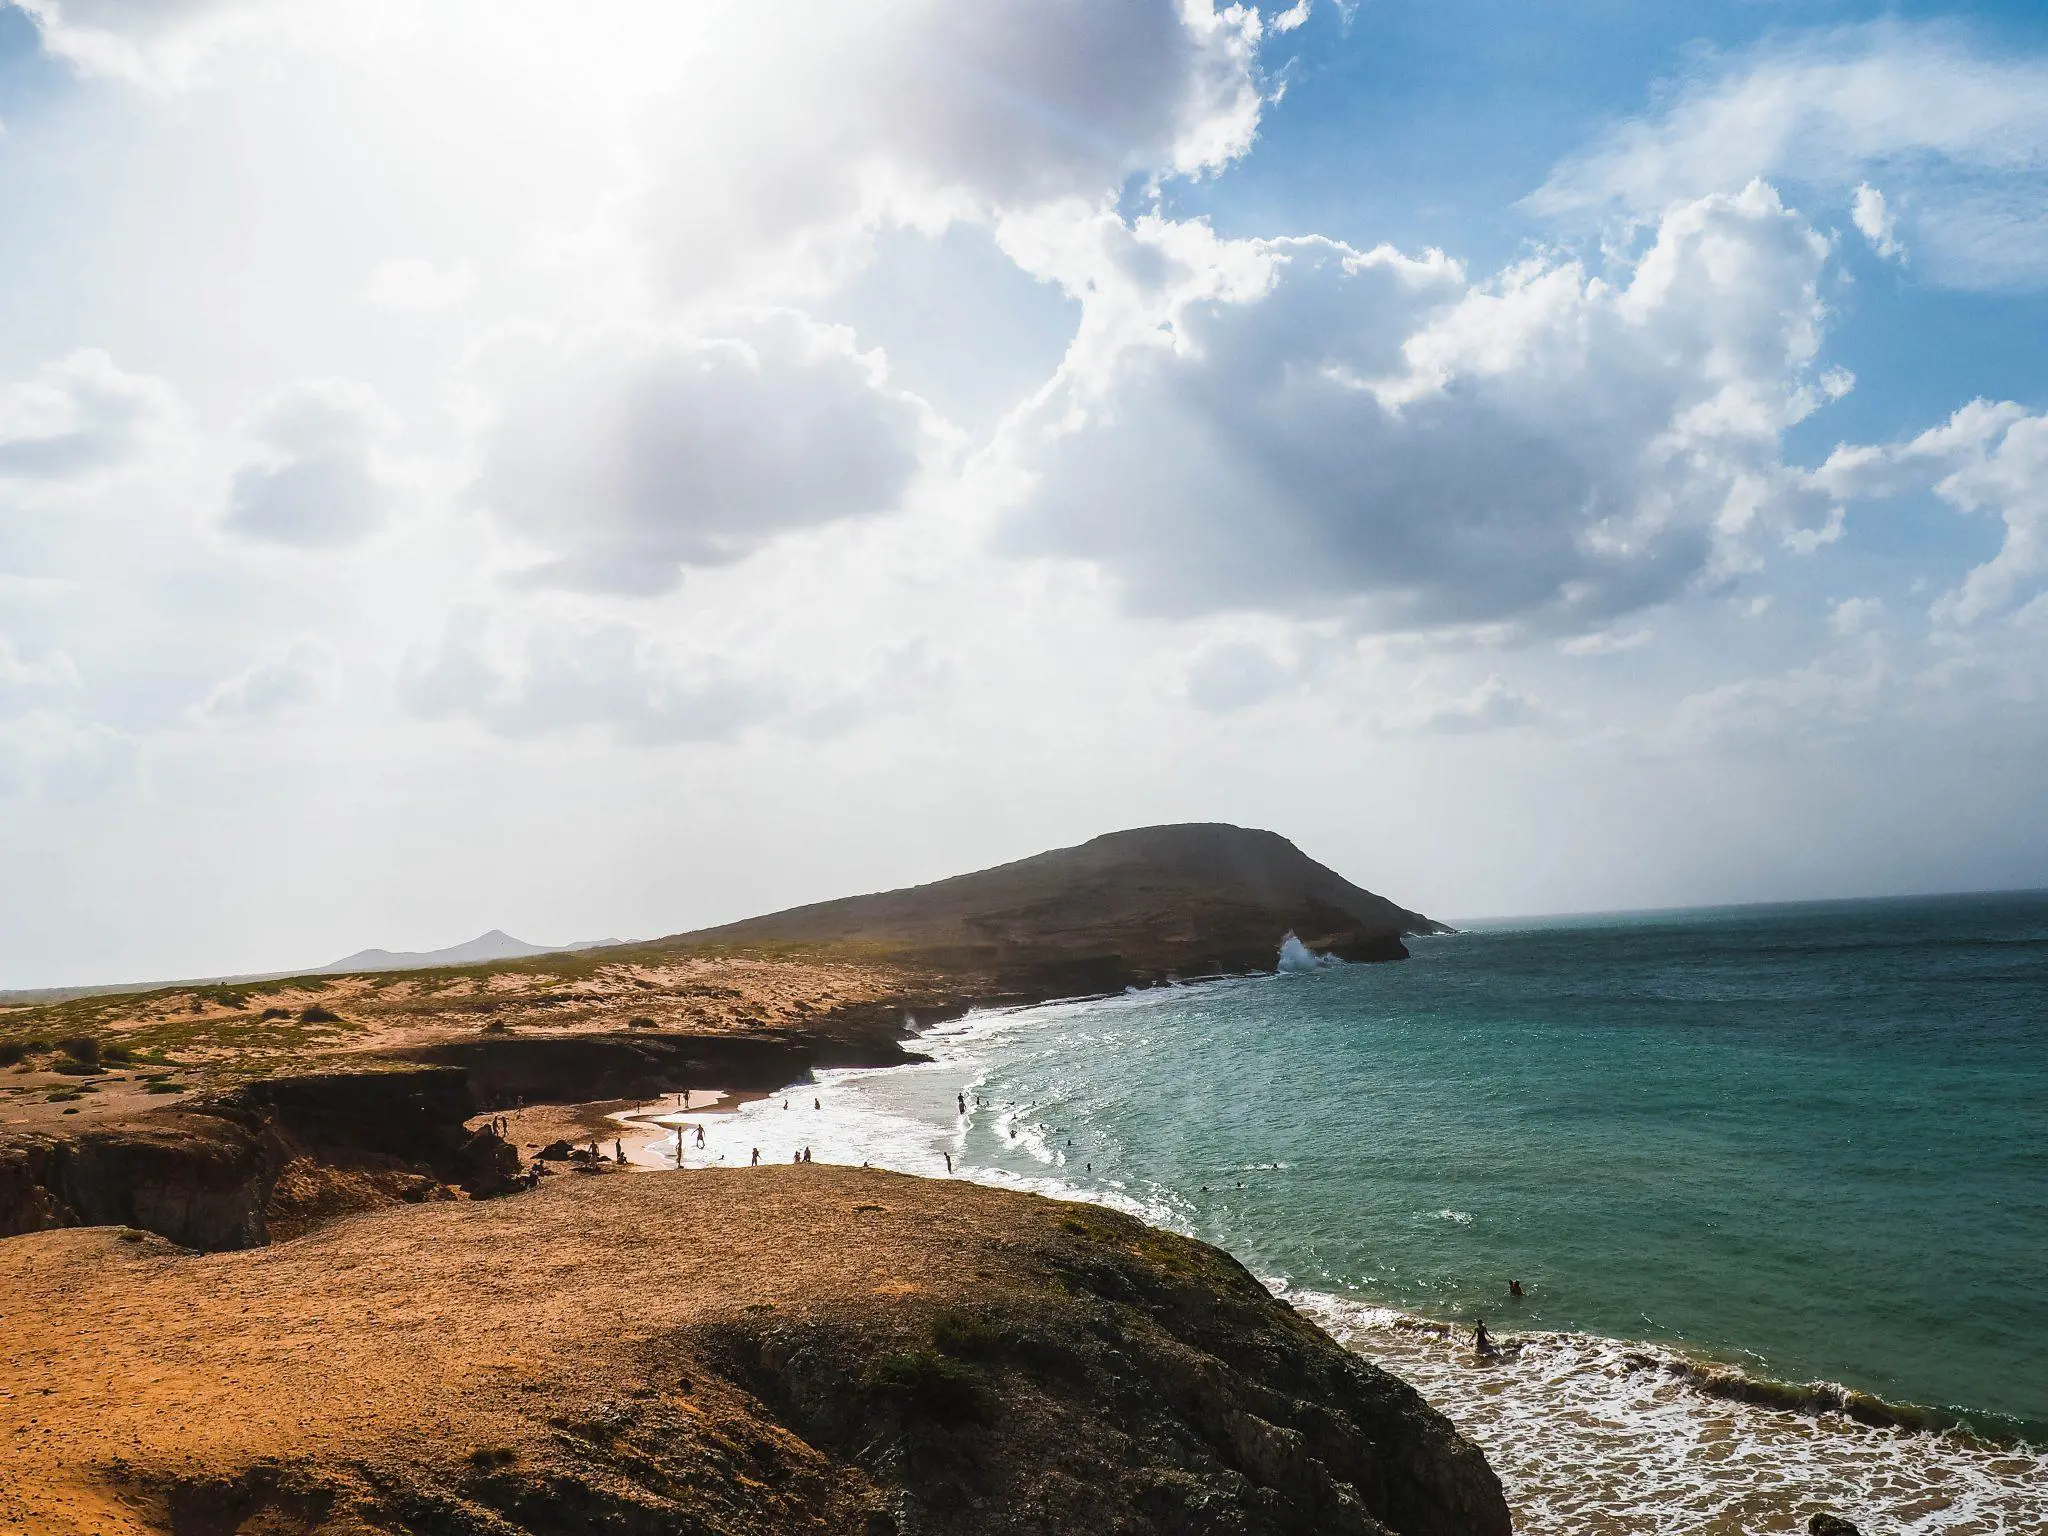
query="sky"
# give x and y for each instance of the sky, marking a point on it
(603, 470)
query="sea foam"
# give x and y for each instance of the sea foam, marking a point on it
(1590, 1436)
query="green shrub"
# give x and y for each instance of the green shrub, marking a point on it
(164, 1088)
(12, 1051)
(931, 1384)
(318, 1015)
(962, 1333)
(76, 1069)
(83, 1049)
(116, 1053)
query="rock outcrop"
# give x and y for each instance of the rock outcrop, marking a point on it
(798, 1348)
(217, 1172)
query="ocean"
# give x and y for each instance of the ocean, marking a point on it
(1767, 1144)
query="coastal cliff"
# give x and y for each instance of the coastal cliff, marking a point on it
(775, 1349)
(293, 1301)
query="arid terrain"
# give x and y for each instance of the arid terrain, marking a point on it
(775, 1349)
(269, 1265)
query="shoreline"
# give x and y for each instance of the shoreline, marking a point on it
(1637, 1417)
(1698, 1369)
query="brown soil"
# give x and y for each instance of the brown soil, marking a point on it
(782, 1349)
(193, 1040)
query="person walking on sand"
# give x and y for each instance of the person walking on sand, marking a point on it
(700, 1135)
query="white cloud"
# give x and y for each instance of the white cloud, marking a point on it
(1986, 458)
(1830, 697)
(314, 478)
(1489, 706)
(1606, 642)
(627, 457)
(22, 680)
(923, 110)
(549, 676)
(81, 415)
(1854, 615)
(1293, 425)
(1966, 133)
(1876, 222)
(294, 678)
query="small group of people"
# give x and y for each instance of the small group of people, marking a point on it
(1482, 1342)
(803, 1156)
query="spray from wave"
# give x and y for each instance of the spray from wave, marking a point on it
(1296, 958)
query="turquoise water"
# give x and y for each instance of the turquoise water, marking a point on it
(1809, 1141)
(1812, 1140)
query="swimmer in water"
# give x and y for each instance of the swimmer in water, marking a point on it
(1515, 1289)
(1482, 1341)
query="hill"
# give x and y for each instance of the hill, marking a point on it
(485, 947)
(1198, 898)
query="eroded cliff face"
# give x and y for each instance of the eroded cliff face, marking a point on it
(220, 1172)
(750, 1350)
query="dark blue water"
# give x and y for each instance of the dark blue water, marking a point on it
(1811, 1140)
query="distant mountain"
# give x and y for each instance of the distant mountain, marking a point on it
(1194, 899)
(495, 945)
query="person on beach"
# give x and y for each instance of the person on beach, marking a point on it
(816, 1105)
(700, 1135)
(796, 1157)
(949, 1162)
(1482, 1341)
(618, 1151)
(757, 1159)
(807, 1154)
(963, 1102)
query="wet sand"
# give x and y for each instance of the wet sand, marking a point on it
(646, 1128)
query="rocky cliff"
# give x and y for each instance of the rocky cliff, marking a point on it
(751, 1350)
(220, 1171)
